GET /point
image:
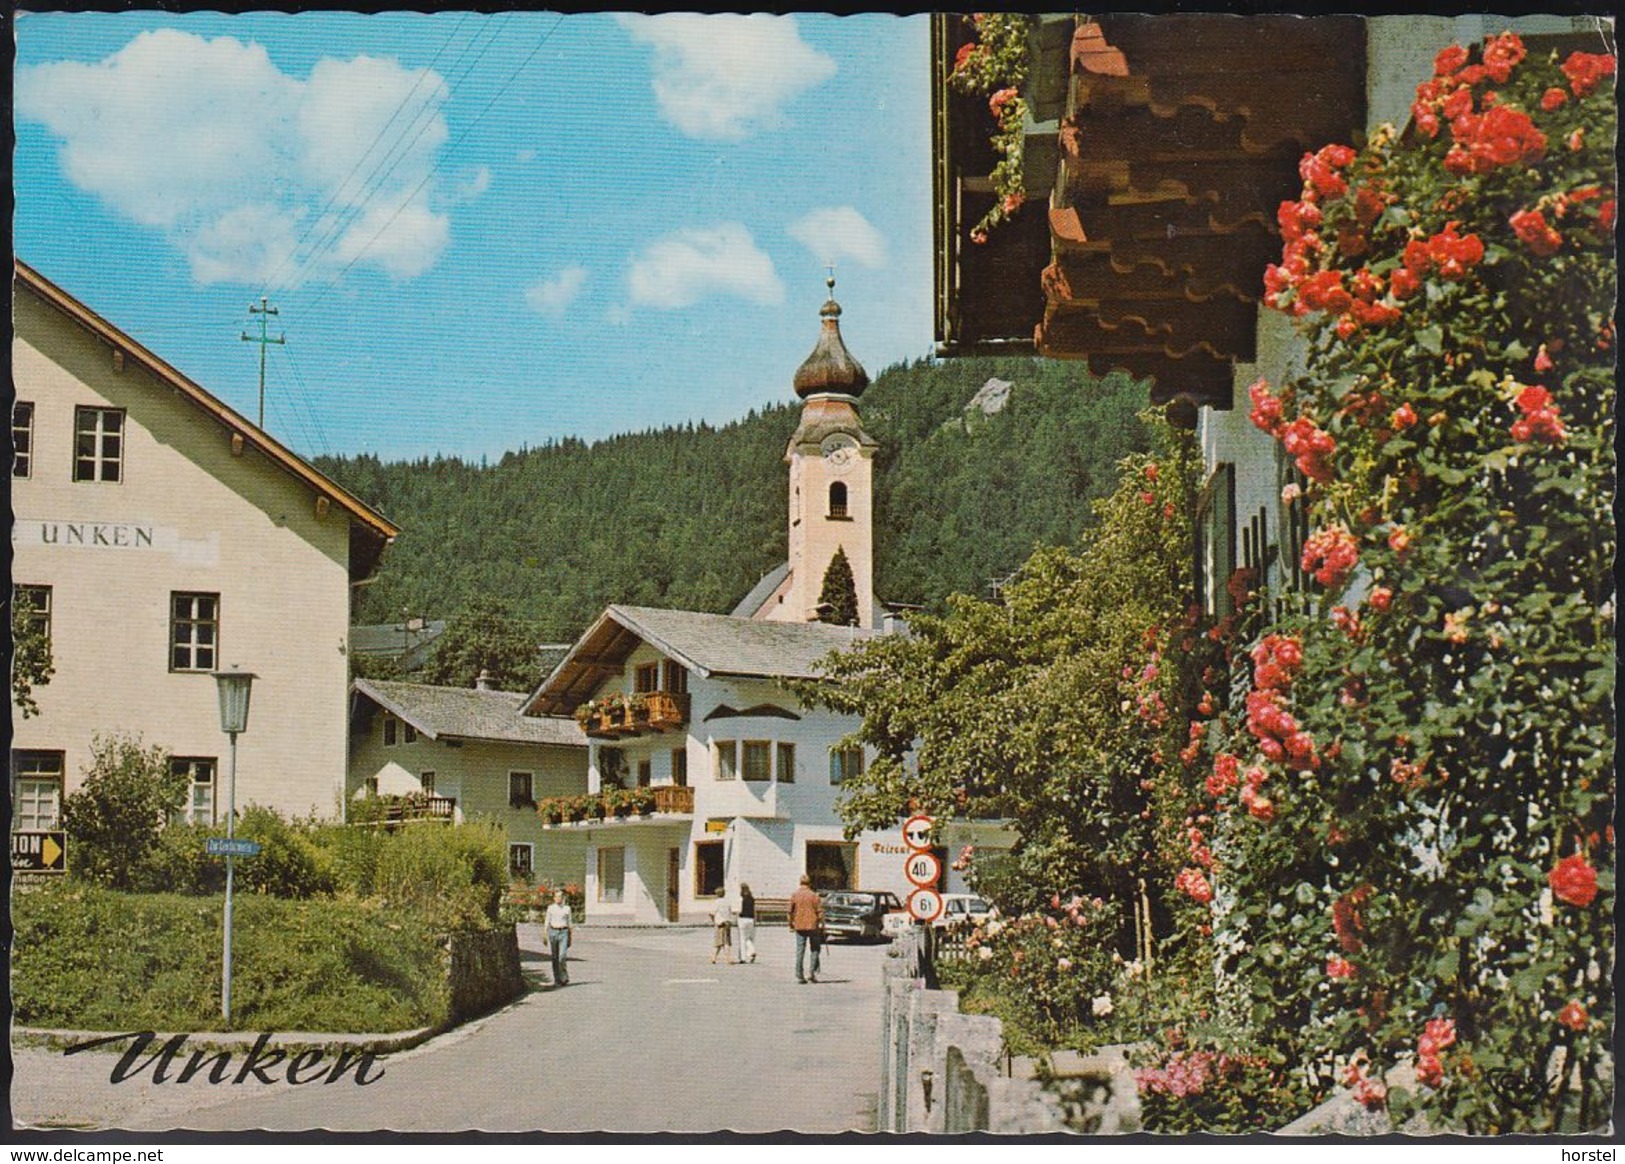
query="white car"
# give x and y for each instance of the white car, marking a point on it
(956, 908)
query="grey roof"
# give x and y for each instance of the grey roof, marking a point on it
(470, 714)
(762, 591)
(721, 644)
(394, 640)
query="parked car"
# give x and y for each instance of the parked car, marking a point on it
(962, 908)
(853, 913)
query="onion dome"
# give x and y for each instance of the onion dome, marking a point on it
(831, 367)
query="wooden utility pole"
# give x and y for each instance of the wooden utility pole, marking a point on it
(264, 310)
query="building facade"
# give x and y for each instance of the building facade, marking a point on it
(160, 537)
(467, 754)
(701, 708)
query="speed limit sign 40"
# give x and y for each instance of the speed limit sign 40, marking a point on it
(923, 869)
(925, 905)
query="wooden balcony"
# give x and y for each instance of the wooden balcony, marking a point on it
(676, 799)
(618, 806)
(641, 714)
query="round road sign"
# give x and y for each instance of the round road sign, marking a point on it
(923, 869)
(917, 832)
(925, 905)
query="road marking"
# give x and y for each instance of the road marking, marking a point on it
(688, 981)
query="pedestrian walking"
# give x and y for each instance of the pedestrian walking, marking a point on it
(807, 920)
(747, 924)
(722, 921)
(559, 926)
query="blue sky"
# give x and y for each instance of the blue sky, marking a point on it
(481, 231)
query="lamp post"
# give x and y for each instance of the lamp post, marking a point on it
(234, 688)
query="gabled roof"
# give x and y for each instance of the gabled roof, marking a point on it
(761, 592)
(370, 531)
(468, 714)
(706, 644)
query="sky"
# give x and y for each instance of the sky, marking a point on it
(481, 232)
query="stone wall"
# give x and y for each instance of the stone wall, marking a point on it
(942, 1071)
(482, 969)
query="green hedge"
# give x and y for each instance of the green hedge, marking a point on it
(91, 958)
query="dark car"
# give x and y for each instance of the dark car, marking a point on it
(853, 913)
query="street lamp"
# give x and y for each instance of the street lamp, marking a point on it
(234, 687)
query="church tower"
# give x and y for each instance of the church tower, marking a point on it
(831, 460)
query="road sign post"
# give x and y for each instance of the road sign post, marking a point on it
(923, 870)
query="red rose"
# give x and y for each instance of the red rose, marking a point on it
(1381, 598)
(1533, 397)
(1502, 54)
(1429, 1071)
(1403, 283)
(1553, 99)
(1586, 70)
(1573, 881)
(1573, 1016)
(1449, 60)
(1531, 228)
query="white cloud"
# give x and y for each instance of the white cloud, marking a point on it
(724, 77)
(553, 296)
(687, 266)
(208, 141)
(837, 233)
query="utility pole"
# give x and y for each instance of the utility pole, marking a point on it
(263, 311)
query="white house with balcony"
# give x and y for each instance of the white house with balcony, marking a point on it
(742, 778)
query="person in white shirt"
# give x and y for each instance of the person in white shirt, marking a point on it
(558, 937)
(722, 918)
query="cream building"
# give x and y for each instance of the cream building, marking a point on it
(474, 757)
(162, 536)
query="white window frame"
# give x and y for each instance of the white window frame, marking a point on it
(529, 849)
(189, 812)
(36, 782)
(39, 597)
(105, 461)
(190, 623)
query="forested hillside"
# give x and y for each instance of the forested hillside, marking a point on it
(690, 517)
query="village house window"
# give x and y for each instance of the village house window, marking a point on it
(200, 773)
(646, 678)
(36, 797)
(520, 790)
(410, 732)
(194, 631)
(22, 438)
(679, 767)
(708, 868)
(831, 864)
(646, 773)
(611, 768)
(676, 677)
(426, 783)
(521, 856)
(727, 759)
(98, 444)
(837, 500)
(371, 785)
(389, 731)
(758, 762)
(611, 874)
(38, 600)
(845, 764)
(787, 763)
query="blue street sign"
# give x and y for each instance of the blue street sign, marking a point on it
(221, 847)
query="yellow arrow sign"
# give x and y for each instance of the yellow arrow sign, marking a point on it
(50, 850)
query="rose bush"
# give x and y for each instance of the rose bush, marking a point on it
(1412, 860)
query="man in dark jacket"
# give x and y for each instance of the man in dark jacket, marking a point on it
(807, 920)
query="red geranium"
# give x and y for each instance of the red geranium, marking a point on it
(1501, 55)
(1532, 230)
(1573, 1016)
(1586, 70)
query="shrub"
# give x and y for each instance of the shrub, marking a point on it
(289, 863)
(454, 877)
(117, 814)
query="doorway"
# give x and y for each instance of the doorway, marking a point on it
(673, 857)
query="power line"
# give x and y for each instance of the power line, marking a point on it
(313, 412)
(397, 153)
(423, 75)
(436, 168)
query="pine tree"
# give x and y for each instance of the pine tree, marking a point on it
(838, 601)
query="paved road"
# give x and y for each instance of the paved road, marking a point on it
(649, 1036)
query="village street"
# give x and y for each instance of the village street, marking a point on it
(649, 1036)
